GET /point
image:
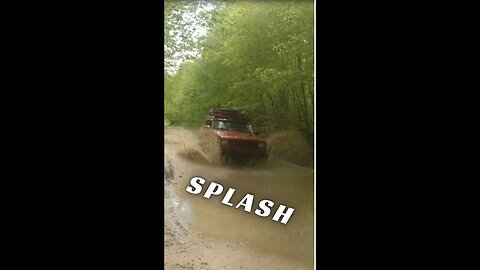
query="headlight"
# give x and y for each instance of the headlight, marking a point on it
(224, 141)
(261, 145)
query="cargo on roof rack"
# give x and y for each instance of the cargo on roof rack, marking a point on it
(227, 114)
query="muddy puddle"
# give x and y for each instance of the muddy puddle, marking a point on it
(277, 180)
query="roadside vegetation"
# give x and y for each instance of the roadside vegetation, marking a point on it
(257, 57)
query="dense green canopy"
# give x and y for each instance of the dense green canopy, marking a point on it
(257, 57)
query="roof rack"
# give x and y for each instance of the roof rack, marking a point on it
(228, 114)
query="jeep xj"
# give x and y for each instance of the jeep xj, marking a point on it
(235, 135)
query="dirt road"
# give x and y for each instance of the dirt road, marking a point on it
(205, 234)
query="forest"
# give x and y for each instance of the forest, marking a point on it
(254, 56)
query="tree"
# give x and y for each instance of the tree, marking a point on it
(257, 57)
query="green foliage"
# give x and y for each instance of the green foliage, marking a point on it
(258, 58)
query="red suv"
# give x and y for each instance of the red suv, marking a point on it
(235, 134)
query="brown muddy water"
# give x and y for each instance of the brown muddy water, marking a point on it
(277, 180)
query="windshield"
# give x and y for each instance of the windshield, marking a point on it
(233, 126)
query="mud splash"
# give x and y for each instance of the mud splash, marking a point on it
(291, 146)
(190, 148)
(201, 146)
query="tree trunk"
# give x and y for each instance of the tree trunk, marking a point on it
(302, 88)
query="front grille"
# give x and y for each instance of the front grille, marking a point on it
(244, 144)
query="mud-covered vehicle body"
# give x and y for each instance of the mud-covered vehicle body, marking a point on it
(235, 134)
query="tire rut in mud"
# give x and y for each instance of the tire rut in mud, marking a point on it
(169, 174)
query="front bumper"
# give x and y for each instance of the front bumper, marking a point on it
(243, 152)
